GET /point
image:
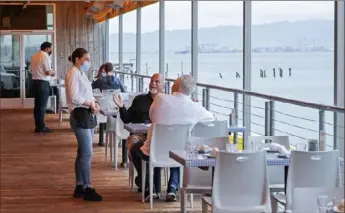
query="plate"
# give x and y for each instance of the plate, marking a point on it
(210, 155)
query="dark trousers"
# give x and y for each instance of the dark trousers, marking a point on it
(137, 155)
(41, 91)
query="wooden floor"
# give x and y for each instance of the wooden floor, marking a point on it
(37, 172)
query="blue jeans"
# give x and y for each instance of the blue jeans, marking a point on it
(84, 153)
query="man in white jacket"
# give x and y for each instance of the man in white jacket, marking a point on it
(177, 108)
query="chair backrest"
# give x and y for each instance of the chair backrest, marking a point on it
(241, 182)
(166, 138)
(282, 140)
(196, 176)
(275, 173)
(211, 129)
(63, 99)
(120, 132)
(305, 199)
(323, 170)
(128, 97)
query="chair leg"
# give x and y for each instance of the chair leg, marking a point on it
(111, 147)
(183, 201)
(191, 201)
(204, 206)
(106, 146)
(143, 177)
(274, 205)
(166, 175)
(60, 112)
(116, 151)
(151, 185)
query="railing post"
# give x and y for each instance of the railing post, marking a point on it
(141, 84)
(272, 117)
(132, 82)
(234, 117)
(204, 97)
(167, 87)
(322, 131)
(267, 118)
(207, 98)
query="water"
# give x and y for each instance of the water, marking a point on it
(311, 80)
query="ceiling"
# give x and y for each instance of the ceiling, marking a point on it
(102, 10)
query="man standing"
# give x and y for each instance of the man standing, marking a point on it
(41, 75)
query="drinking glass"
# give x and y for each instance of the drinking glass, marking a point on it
(231, 147)
(301, 147)
(322, 203)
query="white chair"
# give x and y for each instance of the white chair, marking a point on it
(304, 200)
(110, 137)
(240, 184)
(62, 102)
(164, 139)
(195, 180)
(211, 129)
(120, 134)
(275, 173)
(309, 170)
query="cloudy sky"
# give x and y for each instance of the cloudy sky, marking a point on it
(215, 13)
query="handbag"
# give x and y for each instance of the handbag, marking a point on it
(84, 117)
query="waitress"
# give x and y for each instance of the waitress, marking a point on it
(82, 107)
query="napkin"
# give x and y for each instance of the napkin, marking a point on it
(281, 149)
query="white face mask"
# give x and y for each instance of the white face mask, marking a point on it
(103, 74)
(85, 66)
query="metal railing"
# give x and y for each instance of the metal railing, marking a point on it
(270, 113)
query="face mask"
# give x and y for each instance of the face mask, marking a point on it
(103, 74)
(85, 66)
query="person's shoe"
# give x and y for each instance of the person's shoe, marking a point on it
(155, 196)
(90, 194)
(44, 130)
(78, 191)
(171, 194)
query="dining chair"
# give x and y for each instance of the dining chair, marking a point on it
(309, 170)
(62, 102)
(275, 173)
(164, 139)
(196, 180)
(240, 184)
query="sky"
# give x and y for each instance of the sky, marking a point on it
(216, 13)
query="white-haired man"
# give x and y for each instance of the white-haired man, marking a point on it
(177, 108)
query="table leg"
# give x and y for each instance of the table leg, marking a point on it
(102, 127)
(286, 170)
(124, 154)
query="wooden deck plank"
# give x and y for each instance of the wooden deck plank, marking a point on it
(37, 172)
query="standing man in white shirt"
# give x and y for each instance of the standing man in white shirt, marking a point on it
(41, 75)
(177, 108)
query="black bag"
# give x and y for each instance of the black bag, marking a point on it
(84, 117)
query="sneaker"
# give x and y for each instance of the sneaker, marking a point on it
(171, 194)
(78, 191)
(155, 196)
(90, 194)
(43, 130)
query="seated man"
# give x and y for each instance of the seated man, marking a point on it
(139, 112)
(177, 108)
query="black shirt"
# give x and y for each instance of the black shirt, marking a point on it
(139, 110)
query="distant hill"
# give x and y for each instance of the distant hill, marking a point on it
(294, 34)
